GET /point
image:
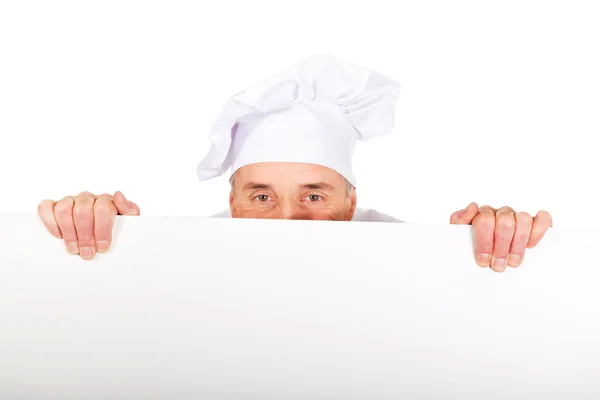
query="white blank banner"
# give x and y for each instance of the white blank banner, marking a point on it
(245, 309)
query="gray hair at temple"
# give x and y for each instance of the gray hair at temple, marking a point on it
(348, 184)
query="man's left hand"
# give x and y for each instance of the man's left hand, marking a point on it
(502, 235)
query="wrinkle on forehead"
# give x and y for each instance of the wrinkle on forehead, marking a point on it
(301, 174)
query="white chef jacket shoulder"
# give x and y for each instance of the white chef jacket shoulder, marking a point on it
(360, 214)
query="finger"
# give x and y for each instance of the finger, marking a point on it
(487, 207)
(523, 222)
(505, 209)
(466, 215)
(124, 206)
(484, 224)
(503, 236)
(83, 217)
(541, 223)
(85, 194)
(63, 212)
(104, 217)
(46, 214)
(455, 215)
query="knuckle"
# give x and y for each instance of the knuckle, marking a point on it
(484, 219)
(104, 202)
(519, 246)
(521, 235)
(63, 208)
(501, 250)
(85, 200)
(44, 204)
(85, 239)
(104, 209)
(101, 205)
(69, 237)
(488, 215)
(505, 222)
(102, 230)
(485, 248)
(524, 218)
(82, 213)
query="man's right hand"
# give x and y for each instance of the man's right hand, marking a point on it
(85, 221)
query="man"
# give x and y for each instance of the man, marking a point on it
(288, 142)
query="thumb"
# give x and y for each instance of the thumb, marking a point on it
(124, 206)
(465, 216)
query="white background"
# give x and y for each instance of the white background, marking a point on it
(305, 319)
(499, 103)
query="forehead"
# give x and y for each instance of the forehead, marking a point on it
(273, 172)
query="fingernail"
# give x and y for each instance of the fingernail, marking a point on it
(102, 246)
(514, 260)
(87, 253)
(500, 263)
(484, 260)
(73, 248)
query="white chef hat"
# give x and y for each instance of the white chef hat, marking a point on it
(312, 112)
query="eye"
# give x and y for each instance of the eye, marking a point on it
(314, 198)
(263, 198)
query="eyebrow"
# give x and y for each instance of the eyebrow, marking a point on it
(255, 185)
(316, 185)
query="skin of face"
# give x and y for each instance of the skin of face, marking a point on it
(283, 190)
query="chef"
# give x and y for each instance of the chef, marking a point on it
(287, 145)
